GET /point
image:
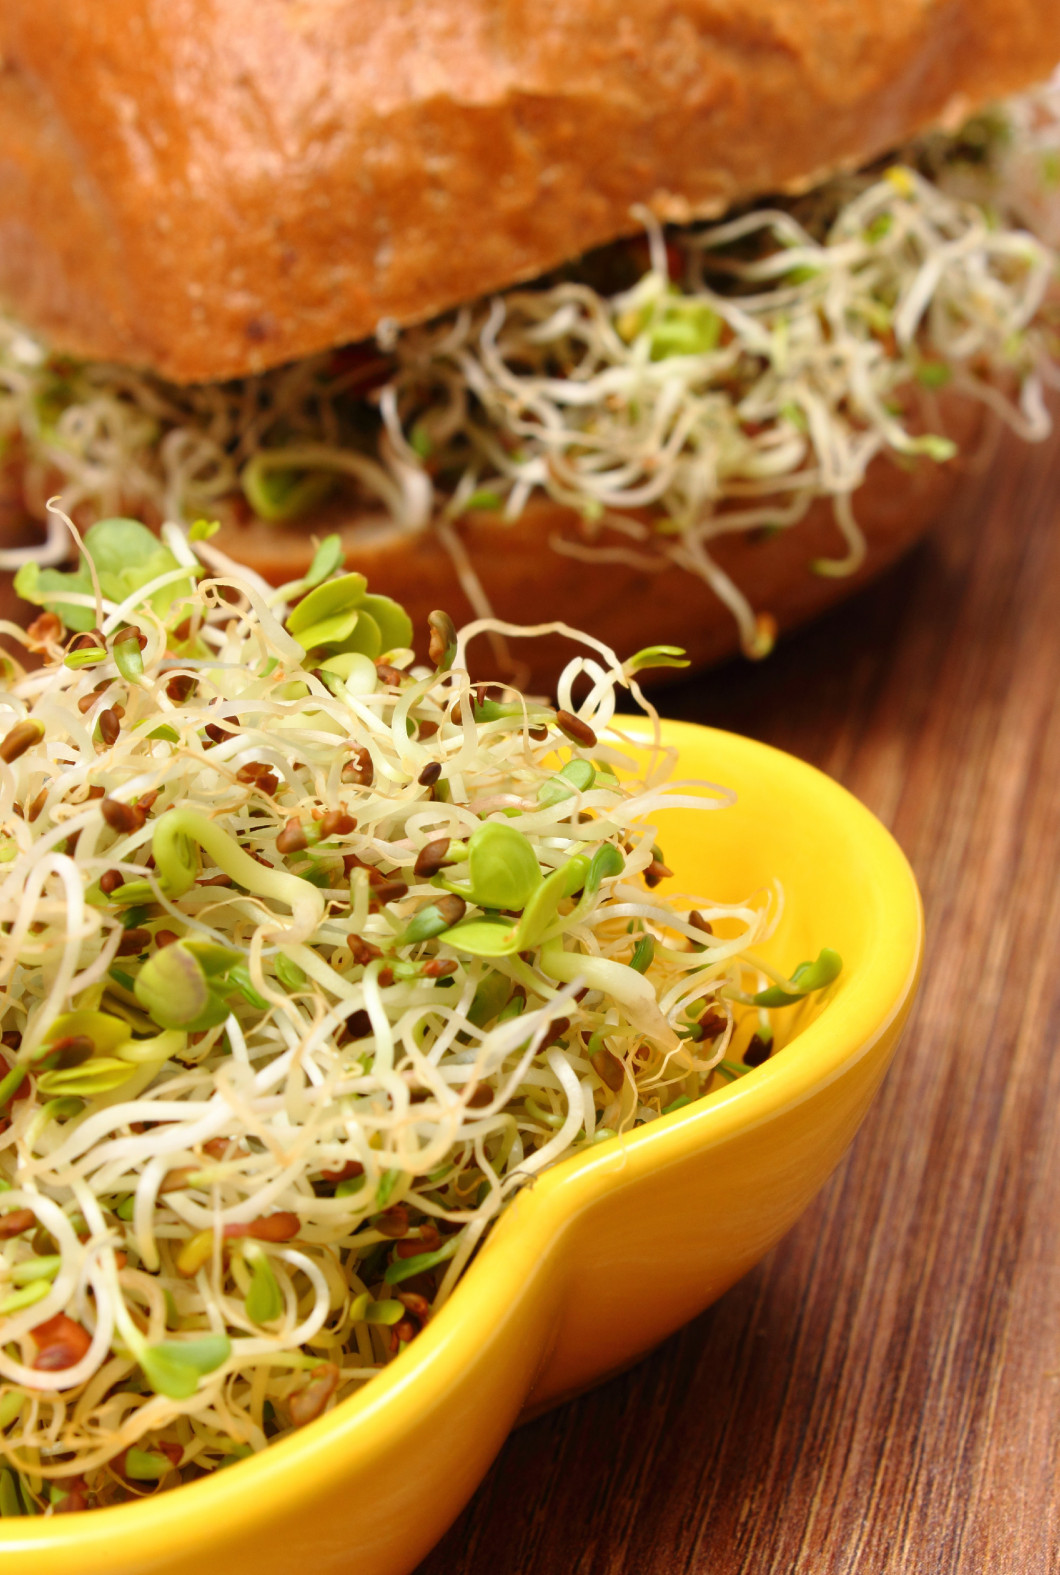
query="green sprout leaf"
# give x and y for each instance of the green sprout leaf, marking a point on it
(10, 1502)
(107, 1032)
(808, 977)
(276, 491)
(386, 1312)
(420, 441)
(483, 498)
(577, 776)
(392, 621)
(128, 659)
(934, 374)
(336, 599)
(126, 556)
(25, 1296)
(540, 912)
(64, 1108)
(44, 588)
(643, 954)
(934, 446)
(353, 669)
(494, 937)
(174, 1367)
(327, 558)
(484, 937)
(340, 615)
(172, 987)
(686, 328)
(606, 862)
(337, 631)
(211, 956)
(33, 1269)
(10, 1085)
(655, 656)
(426, 922)
(145, 1465)
(405, 1268)
(10, 1407)
(98, 1076)
(238, 978)
(87, 656)
(289, 973)
(132, 894)
(502, 866)
(490, 996)
(264, 1299)
(175, 987)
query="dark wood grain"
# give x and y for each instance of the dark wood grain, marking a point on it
(883, 1393)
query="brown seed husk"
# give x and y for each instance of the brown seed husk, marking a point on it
(16, 1222)
(21, 737)
(336, 823)
(609, 1069)
(359, 768)
(292, 839)
(451, 907)
(575, 729)
(757, 1051)
(121, 817)
(431, 858)
(443, 635)
(44, 631)
(181, 687)
(133, 942)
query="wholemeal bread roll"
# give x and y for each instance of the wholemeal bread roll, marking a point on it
(207, 189)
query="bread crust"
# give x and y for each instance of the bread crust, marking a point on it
(210, 187)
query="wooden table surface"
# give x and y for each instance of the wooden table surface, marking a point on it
(883, 1392)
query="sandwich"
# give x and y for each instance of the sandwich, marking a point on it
(667, 321)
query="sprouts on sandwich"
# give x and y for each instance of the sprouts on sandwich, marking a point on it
(755, 365)
(310, 957)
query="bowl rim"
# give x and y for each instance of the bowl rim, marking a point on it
(333, 1446)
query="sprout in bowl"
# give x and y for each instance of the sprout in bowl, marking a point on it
(312, 957)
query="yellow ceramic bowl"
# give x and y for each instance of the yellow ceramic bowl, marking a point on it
(603, 1256)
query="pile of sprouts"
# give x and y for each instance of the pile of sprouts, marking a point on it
(311, 955)
(668, 391)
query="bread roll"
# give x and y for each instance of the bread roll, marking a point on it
(425, 153)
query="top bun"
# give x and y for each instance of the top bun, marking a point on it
(207, 189)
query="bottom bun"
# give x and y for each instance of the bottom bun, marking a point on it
(526, 580)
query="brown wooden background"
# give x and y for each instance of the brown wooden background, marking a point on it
(883, 1393)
